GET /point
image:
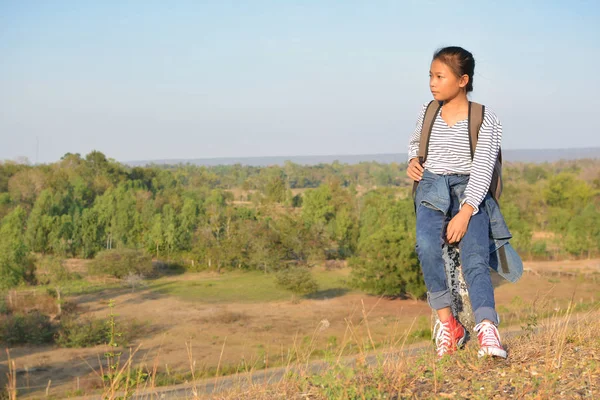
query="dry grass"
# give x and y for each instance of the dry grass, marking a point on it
(235, 340)
(560, 360)
(224, 316)
(30, 300)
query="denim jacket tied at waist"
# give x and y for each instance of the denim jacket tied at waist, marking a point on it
(434, 191)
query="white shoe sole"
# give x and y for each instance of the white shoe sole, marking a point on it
(491, 351)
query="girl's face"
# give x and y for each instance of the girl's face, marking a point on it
(443, 83)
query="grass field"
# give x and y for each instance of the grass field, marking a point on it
(245, 287)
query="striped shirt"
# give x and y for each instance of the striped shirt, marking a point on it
(450, 153)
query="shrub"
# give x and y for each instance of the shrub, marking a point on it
(30, 328)
(82, 332)
(298, 280)
(387, 265)
(539, 249)
(225, 316)
(78, 332)
(51, 271)
(121, 262)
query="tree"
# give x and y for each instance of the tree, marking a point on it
(317, 208)
(519, 227)
(584, 232)
(15, 266)
(188, 221)
(40, 223)
(156, 237)
(92, 233)
(276, 190)
(387, 264)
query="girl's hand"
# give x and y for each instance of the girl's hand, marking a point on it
(414, 170)
(457, 228)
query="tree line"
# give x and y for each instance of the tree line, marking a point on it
(271, 218)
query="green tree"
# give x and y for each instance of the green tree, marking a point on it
(583, 232)
(156, 236)
(387, 264)
(92, 233)
(317, 208)
(40, 223)
(519, 227)
(276, 190)
(15, 265)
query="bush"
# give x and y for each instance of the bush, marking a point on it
(30, 328)
(539, 249)
(387, 265)
(82, 332)
(121, 262)
(51, 271)
(298, 280)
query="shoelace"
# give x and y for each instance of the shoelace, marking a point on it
(489, 334)
(442, 337)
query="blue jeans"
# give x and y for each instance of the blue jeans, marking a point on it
(474, 256)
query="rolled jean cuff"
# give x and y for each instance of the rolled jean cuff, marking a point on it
(439, 300)
(486, 313)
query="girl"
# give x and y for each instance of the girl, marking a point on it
(450, 167)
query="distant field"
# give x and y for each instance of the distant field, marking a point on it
(244, 287)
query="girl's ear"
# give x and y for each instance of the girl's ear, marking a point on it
(463, 81)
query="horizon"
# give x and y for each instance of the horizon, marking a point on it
(541, 155)
(218, 80)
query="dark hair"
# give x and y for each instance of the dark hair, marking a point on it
(460, 61)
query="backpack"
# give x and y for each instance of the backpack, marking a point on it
(476, 113)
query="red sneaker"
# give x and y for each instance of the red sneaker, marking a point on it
(489, 340)
(449, 336)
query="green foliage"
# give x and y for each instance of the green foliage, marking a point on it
(121, 262)
(567, 191)
(343, 382)
(82, 205)
(276, 190)
(81, 332)
(534, 173)
(15, 265)
(583, 231)
(298, 280)
(387, 264)
(519, 227)
(26, 328)
(118, 376)
(317, 208)
(539, 249)
(50, 270)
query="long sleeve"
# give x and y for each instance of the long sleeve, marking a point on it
(413, 145)
(484, 159)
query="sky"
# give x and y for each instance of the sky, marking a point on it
(144, 80)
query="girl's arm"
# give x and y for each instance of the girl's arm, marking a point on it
(486, 153)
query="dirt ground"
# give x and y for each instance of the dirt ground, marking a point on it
(269, 330)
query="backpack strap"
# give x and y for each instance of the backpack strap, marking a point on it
(476, 113)
(431, 113)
